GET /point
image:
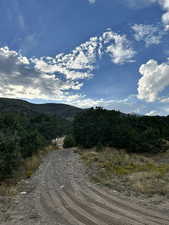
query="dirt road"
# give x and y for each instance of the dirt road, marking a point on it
(60, 194)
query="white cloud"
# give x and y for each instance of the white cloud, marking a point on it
(92, 1)
(155, 78)
(152, 113)
(150, 34)
(20, 79)
(163, 3)
(80, 63)
(118, 47)
(127, 104)
(165, 20)
(164, 99)
(130, 104)
(165, 17)
(54, 77)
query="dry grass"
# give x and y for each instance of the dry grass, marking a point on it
(142, 174)
(8, 189)
(150, 182)
(31, 164)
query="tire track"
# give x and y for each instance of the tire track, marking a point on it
(45, 204)
(102, 213)
(155, 216)
(109, 216)
(68, 219)
(122, 210)
(77, 211)
(149, 218)
(72, 214)
(66, 196)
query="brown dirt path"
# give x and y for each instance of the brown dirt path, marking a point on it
(60, 194)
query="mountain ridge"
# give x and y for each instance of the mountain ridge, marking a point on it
(25, 107)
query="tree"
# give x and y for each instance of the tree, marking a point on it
(9, 156)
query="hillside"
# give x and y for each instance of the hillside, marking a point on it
(16, 105)
(100, 127)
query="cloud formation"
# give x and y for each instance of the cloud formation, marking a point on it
(92, 1)
(80, 63)
(150, 34)
(163, 3)
(20, 79)
(53, 78)
(23, 77)
(165, 17)
(155, 78)
(118, 47)
(152, 113)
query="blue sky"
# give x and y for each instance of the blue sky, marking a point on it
(87, 53)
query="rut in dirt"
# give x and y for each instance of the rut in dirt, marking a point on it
(66, 197)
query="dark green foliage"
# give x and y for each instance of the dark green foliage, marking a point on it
(100, 127)
(9, 155)
(99, 147)
(31, 142)
(21, 136)
(69, 141)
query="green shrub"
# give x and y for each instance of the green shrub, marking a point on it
(137, 134)
(9, 156)
(99, 147)
(69, 142)
(22, 136)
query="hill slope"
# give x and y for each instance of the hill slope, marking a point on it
(16, 105)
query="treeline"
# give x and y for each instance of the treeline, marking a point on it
(21, 136)
(100, 127)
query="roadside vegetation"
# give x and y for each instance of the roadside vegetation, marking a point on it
(69, 141)
(124, 151)
(128, 172)
(23, 141)
(25, 138)
(137, 134)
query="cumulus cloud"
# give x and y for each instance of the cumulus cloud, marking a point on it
(165, 17)
(155, 78)
(53, 77)
(165, 20)
(118, 47)
(150, 34)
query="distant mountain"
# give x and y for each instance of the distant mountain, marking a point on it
(16, 105)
